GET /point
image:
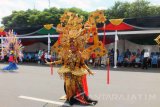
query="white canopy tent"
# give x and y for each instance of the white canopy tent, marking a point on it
(100, 34)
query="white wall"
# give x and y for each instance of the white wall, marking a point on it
(122, 46)
(34, 47)
(125, 44)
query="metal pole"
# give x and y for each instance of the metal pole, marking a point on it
(34, 4)
(49, 3)
(49, 41)
(115, 50)
(2, 47)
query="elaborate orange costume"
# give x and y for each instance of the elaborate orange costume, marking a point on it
(72, 50)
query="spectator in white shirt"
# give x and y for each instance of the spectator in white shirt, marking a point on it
(145, 59)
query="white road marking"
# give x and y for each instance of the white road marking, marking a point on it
(43, 100)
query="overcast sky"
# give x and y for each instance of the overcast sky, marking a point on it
(7, 6)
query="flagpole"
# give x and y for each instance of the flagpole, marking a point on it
(104, 36)
(49, 4)
(49, 41)
(34, 4)
(2, 47)
(49, 53)
(107, 64)
(115, 50)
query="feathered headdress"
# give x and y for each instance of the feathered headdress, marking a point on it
(72, 27)
(12, 44)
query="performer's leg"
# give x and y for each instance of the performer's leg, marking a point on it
(68, 87)
(82, 97)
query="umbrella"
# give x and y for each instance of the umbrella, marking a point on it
(48, 28)
(116, 25)
(158, 40)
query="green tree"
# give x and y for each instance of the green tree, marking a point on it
(35, 18)
(139, 8)
(119, 10)
(28, 18)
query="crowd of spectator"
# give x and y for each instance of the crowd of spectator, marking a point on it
(34, 57)
(140, 58)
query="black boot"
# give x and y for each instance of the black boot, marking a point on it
(72, 101)
(94, 102)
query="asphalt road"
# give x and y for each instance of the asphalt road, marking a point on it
(33, 86)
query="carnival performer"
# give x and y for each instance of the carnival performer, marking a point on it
(73, 53)
(13, 48)
(12, 62)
